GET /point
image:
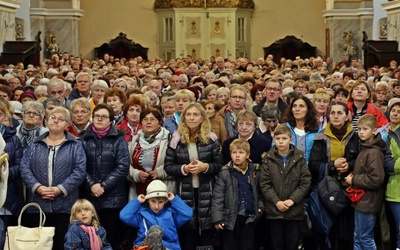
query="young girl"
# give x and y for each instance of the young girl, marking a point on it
(85, 231)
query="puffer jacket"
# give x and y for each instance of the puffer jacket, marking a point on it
(279, 183)
(77, 239)
(372, 110)
(174, 214)
(177, 156)
(369, 174)
(15, 152)
(68, 173)
(107, 164)
(225, 196)
(133, 176)
(392, 165)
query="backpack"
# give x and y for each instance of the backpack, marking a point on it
(321, 218)
(332, 195)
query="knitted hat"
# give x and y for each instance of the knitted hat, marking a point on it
(156, 188)
(28, 94)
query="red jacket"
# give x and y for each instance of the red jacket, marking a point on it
(124, 126)
(372, 110)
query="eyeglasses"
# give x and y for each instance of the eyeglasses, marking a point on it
(103, 117)
(31, 113)
(301, 87)
(273, 89)
(54, 118)
(238, 97)
(151, 119)
(82, 112)
(13, 83)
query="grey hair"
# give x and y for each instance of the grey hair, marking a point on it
(67, 115)
(270, 111)
(85, 74)
(35, 105)
(54, 82)
(51, 101)
(99, 83)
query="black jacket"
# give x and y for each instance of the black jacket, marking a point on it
(177, 156)
(281, 106)
(108, 164)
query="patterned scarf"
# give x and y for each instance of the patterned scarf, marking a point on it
(28, 135)
(151, 138)
(94, 239)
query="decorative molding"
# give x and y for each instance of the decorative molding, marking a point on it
(166, 4)
(361, 12)
(10, 4)
(392, 7)
(56, 12)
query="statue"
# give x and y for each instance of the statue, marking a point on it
(350, 49)
(52, 46)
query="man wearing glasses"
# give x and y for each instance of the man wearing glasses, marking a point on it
(13, 83)
(272, 93)
(237, 100)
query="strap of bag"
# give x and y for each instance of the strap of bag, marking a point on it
(42, 216)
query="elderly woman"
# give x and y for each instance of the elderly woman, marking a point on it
(321, 100)
(257, 93)
(99, 88)
(247, 125)
(80, 110)
(131, 122)
(107, 168)
(193, 158)
(116, 98)
(49, 104)
(31, 127)
(270, 116)
(223, 95)
(52, 169)
(334, 152)
(210, 92)
(182, 98)
(121, 84)
(9, 211)
(301, 118)
(147, 151)
(359, 104)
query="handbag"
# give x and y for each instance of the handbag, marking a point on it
(36, 238)
(332, 195)
(354, 194)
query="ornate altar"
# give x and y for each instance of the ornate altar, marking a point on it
(120, 47)
(204, 28)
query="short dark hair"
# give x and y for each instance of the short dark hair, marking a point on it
(106, 107)
(154, 111)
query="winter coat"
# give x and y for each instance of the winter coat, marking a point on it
(133, 176)
(372, 110)
(218, 127)
(177, 156)
(14, 150)
(124, 126)
(258, 146)
(174, 214)
(107, 164)
(392, 165)
(77, 239)
(279, 183)
(171, 124)
(369, 174)
(68, 173)
(257, 108)
(321, 155)
(224, 207)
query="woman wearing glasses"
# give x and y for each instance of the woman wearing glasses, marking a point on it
(31, 127)
(147, 151)
(80, 114)
(106, 171)
(52, 169)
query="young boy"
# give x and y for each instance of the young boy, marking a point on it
(368, 175)
(158, 209)
(236, 203)
(285, 181)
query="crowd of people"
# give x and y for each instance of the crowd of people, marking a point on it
(217, 152)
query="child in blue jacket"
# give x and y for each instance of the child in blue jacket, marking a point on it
(158, 208)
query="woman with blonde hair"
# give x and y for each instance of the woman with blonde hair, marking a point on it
(193, 158)
(321, 100)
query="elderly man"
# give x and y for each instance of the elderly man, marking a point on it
(220, 65)
(175, 82)
(237, 100)
(193, 69)
(272, 93)
(13, 83)
(57, 88)
(82, 86)
(155, 86)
